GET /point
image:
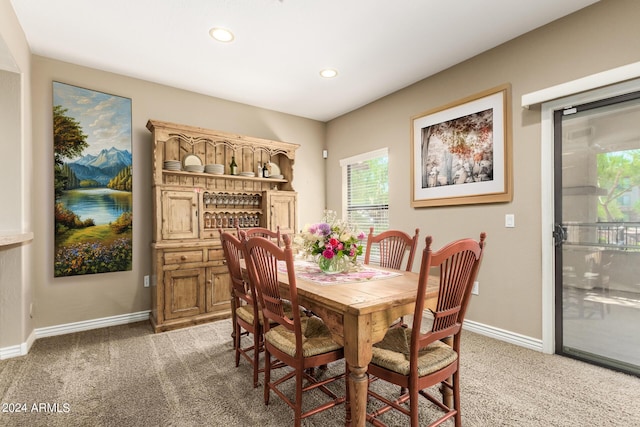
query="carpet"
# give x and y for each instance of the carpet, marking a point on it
(128, 376)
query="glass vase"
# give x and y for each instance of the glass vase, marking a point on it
(333, 265)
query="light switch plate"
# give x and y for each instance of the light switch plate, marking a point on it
(509, 220)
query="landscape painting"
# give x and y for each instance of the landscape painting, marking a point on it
(92, 182)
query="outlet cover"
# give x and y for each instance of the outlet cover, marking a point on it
(146, 281)
(476, 288)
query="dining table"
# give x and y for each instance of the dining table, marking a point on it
(358, 307)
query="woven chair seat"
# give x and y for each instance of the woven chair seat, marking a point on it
(245, 312)
(393, 353)
(315, 335)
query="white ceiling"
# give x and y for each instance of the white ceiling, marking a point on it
(377, 46)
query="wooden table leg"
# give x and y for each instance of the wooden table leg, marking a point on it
(357, 352)
(358, 386)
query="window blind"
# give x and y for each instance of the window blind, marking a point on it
(366, 191)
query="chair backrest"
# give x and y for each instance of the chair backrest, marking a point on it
(266, 233)
(458, 262)
(263, 256)
(393, 245)
(233, 249)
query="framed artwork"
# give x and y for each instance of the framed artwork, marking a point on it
(461, 152)
(93, 181)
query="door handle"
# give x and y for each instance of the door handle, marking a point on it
(559, 234)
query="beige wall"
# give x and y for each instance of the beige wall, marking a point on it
(74, 299)
(595, 39)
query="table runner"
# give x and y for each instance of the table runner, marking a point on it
(310, 271)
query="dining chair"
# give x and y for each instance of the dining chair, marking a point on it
(393, 245)
(248, 319)
(298, 341)
(266, 233)
(416, 360)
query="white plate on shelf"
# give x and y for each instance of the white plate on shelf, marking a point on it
(194, 168)
(191, 160)
(276, 176)
(172, 165)
(274, 169)
(214, 169)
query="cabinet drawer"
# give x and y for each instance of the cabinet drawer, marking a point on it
(216, 255)
(182, 257)
(211, 234)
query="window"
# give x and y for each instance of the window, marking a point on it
(365, 191)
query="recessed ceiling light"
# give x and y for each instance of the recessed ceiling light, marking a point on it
(328, 73)
(221, 34)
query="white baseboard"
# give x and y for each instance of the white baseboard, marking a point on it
(18, 350)
(9, 352)
(68, 328)
(86, 325)
(503, 335)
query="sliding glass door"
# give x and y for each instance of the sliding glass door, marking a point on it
(597, 232)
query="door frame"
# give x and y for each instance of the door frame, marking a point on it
(547, 196)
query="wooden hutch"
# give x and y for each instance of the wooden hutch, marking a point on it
(190, 282)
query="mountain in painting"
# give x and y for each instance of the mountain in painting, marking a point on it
(102, 167)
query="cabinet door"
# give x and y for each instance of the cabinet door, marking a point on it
(184, 293)
(218, 294)
(179, 215)
(281, 211)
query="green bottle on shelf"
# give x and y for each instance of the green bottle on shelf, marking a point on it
(233, 167)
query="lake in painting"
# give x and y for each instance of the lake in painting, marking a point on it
(103, 205)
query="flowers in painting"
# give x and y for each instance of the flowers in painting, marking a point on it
(332, 237)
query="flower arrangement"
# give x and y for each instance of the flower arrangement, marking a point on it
(331, 238)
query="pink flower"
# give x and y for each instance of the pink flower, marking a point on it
(333, 238)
